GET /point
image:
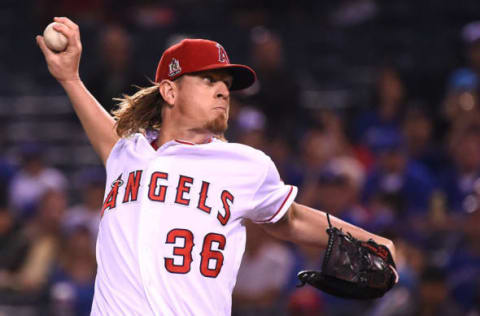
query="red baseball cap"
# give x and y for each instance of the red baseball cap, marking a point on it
(194, 55)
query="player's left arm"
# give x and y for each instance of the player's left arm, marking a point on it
(305, 225)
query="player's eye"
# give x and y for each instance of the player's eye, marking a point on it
(228, 83)
(208, 79)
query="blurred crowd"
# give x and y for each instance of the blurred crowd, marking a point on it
(393, 147)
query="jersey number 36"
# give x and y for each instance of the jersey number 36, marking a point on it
(207, 253)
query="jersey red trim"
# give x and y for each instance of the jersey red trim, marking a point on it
(154, 144)
(184, 142)
(281, 206)
(192, 144)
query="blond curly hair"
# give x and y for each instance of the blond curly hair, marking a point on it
(139, 112)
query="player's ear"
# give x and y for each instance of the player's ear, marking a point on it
(168, 91)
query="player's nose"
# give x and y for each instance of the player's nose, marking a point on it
(222, 90)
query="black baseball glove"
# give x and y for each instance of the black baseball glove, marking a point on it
(352, 268)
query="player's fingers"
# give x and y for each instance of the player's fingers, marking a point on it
(397, 277)
(43, 47)
(70, 34)
(69, 23)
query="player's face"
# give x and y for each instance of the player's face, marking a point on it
(204, 100)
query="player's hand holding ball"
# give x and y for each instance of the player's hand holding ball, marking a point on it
(62, 48)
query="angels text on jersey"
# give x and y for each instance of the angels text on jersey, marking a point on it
(157, 192)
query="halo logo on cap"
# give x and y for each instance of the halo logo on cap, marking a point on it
(222, 54)
(174, 67)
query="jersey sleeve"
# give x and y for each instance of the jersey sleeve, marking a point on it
(272, 198)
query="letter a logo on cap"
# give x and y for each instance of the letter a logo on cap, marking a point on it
(174, 67)
(222, 55)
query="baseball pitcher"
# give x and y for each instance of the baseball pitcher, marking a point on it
(171, 238)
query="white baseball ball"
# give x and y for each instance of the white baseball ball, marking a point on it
(56, 41)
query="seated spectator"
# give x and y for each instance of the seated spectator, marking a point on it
(461, 110)
(251, 127)
(332, 123)
(433, 295)
(73, 280)
(87, 212)
(464, 263)
(317, 148)
(460, 180)
(27, 284)
(395, 173)
(32, 181)
(262, 276)
(418, 130)
(467, 78)
(461, 103)
(337, 189)
(385, 118)
(13, 246)
(275, 92)
(117, 70)
(44, 234)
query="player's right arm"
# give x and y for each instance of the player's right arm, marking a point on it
(98, 123)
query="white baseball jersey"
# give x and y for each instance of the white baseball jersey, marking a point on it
(171, 237)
